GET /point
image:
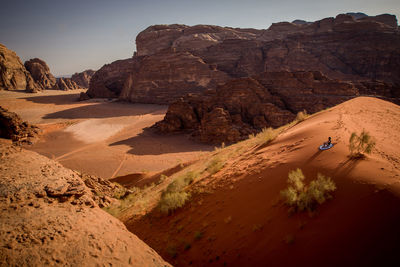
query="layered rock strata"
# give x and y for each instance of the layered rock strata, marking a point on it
(173, 60)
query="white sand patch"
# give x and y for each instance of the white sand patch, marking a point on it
(94, 130)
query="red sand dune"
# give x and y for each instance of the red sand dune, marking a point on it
(243, 222)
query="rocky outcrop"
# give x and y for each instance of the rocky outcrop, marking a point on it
(13, 74)
(66, 84)
(246, 105)
(50, 217)
(110, 79)
(12, 127)
(41, 73)
(82, 79)
(173, 60)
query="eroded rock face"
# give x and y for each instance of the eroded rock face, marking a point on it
(66, 84)
(41, 73)
(50, 217)
(246, 105)
(109, 80)
(166, 76)
(173, 60)
(13, 74)
(12, 127)
(82, 79)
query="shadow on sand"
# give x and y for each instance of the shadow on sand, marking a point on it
(150, 143)
(54, 99)
(346, 167)
(107, 110)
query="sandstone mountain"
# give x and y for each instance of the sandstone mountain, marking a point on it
(66, 84)
(173, 60)
(40, 73)
(13, 74)
(82, 79)
(50, 217)
(244, 106)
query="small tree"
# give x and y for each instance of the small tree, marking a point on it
(360, 144)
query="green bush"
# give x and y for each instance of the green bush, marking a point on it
(360, 144)
(302, 197)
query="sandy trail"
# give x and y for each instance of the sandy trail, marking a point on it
(99, 136)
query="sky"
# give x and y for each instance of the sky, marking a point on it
(72, 35)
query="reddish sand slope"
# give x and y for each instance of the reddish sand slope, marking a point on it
(100, 137)
(243, 222)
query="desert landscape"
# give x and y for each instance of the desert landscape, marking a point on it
(208, 147)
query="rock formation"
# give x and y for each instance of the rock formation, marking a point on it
(50, 217)
(12, 127)
(109, 81)
(66, 84)
(13, 75)
(173, 60)
(82, 79)
(40, 73)
(246, 105)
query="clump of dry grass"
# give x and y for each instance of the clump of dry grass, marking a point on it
(174, 196)
(302, 197)
(360, 144)
(215, 165)
(301, 116)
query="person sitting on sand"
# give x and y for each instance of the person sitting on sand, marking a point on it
(329, 142)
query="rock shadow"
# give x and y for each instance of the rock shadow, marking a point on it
(150, 143)
(54, 99)
(107, 110)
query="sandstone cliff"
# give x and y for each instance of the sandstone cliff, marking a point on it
(41, 73)
(82, 79)
(66, 84)
(246, 105)
(173, 60)
(50, 217)
(13, 74)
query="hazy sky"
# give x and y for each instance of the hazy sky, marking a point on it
(72, 35)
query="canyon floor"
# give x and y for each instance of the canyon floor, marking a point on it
(101, 137)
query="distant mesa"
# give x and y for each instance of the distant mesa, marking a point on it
(174, 60)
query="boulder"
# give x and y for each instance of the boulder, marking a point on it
(12, 127)
(41, 73)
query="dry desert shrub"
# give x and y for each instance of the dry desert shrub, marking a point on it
(174, 196)
(301, 116)
(215, 165)
(302, 197)
(360, 144)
